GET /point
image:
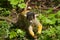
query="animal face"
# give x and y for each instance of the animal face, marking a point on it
(30, 15)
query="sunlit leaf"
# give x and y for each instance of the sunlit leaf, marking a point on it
(22, 5)
(58, 13)
(49, 11)
(12, 34)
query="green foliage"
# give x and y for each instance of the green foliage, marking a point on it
(4, 12)
(58, 29)
(14, 2)
(49, 11)
(16, 33)
(51, 23)
(58, 13)
(47, 20)
(19, 3)
(12, 34)
(22, 5)
(20, 33)
(4, 29)
(50, 31)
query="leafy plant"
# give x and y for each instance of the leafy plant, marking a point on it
(4, 29)
(20, 32)
(16, 33)
(19, 3)
(12, 34)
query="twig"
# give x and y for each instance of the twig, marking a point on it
(56, 7)
(25, 10)
(7, 19)
(26, 5)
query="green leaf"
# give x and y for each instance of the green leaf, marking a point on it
(1, 8)
(22, 5)
(12, 34)
(21, 1)
(5, 13)
(51, 16)
(46, 20)
(58, 13)
(58, 30)
(49, 11)
(58, 20)
(21, 32)
(4, 29)
(52, 21)
(14, 2)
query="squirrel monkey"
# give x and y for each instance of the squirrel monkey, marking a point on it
(33, 21)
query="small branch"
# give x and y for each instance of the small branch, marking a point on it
(7, 19)
(25, 10)
(56, 7)
(26, 5)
